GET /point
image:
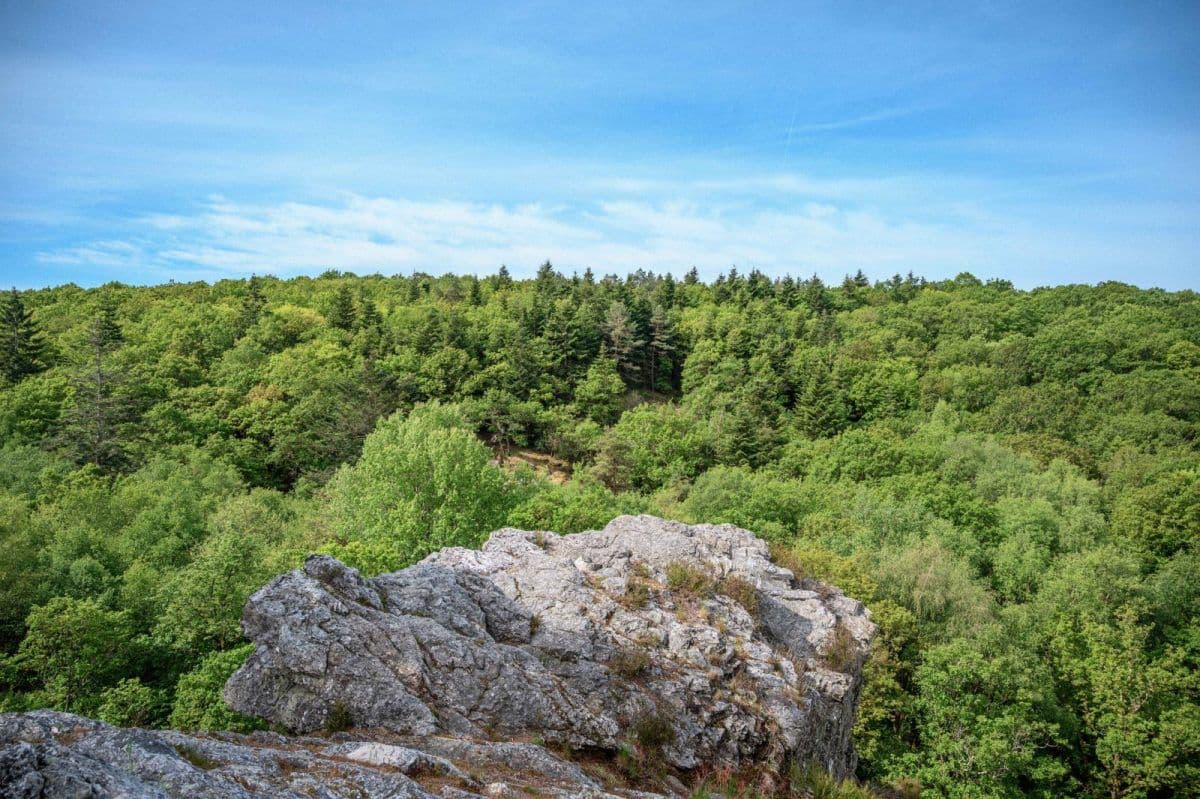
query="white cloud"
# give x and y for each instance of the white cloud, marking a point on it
(370, 234)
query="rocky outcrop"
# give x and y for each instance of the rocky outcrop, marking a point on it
(51, 755)
(683, 641)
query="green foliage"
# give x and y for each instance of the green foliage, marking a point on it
(131, 704)
(1007, 479)
(75, 648)
(423, 482)
(198, 704)
(21, 344)
(650, 446)
(689, 580)
(572, 507)
(598, 395)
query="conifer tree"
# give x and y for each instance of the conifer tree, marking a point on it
(503, 278)
(661, 346)
(342, 314)
(624, 346)
(95, 428)
(815, 296)
(252, 305)
(820, 409)
(106, 330)
(22, 347)
(368, 314)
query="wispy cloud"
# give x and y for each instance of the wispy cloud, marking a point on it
(395, 235)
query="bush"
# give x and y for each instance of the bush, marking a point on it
(689, 581)
(652, 732)
(841, 651)
(131, 704)
(338, 718)
(629, 663)
(76, 648)
(198, 702)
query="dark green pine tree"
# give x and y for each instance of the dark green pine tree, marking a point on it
(665, 294)
(252, 305)
(106, 330)
(785, 290)
(474, 294)
(692, 277)
(96, 429)
(503, 279)
(342, 314)
(368, 314)
(815, 295)
(22, 347)
(820, 409)
(661, 347)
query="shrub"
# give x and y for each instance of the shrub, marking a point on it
(338, 718)
(652, 732)
(636, 595)
(742, 592)
(629, 663)
(198, 702)
(817, 783)
(841, 652)
(131, 704)
(688, 580)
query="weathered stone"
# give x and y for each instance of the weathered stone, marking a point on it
(577, 639)
(47, 755)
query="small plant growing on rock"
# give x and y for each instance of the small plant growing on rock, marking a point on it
(816, 782)
(741, 592)
(647, 638)
(637, 594)
(629, 663)
(782, 556)
(338, 718)
(653, 732)
(840, 653)
(689, 581)
(628, 761)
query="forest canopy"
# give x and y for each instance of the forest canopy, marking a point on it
(1008, 479)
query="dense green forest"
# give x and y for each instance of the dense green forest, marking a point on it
(1010, 480)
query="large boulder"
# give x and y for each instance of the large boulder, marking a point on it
(649, 634)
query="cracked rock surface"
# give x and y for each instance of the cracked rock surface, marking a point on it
(682, 637)
(45, 754)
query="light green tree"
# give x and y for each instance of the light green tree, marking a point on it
(424, 482)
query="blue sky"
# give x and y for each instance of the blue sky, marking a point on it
(1041, 142)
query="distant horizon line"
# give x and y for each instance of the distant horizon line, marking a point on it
(345, 274)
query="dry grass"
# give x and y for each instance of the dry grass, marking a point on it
(629, 663)
(637, 594)
(842, 651)
(742, 592)
(689, 581)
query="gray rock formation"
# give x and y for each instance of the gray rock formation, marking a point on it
(647, 635)
(51, 755)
